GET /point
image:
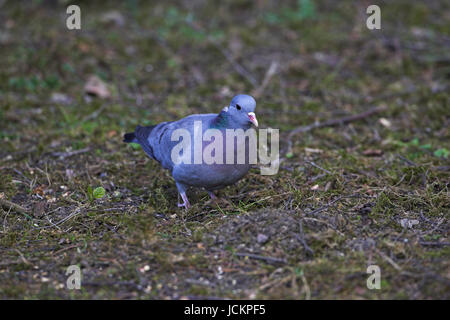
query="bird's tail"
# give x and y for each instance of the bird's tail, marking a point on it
(129, 137)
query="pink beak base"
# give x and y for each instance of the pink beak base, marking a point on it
(252, 118)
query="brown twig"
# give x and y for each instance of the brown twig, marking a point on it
(94, 114)
(271, 71)
(301, 237)
(409, 162)
(63, 155)
(259, 257)
(65, 248)
(315, 211)
(334, 122)
(11, 205)
(318, 167)
(434, 243)
(239, 69)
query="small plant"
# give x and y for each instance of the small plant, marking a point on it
(442, 153)
(414, 144)
(306, 9)
(135, 146)
(97, 193)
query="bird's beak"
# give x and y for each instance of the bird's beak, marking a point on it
(252, 117)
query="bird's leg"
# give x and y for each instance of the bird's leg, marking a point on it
(182, 192)
(185, 203)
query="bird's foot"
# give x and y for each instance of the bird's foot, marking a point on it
(185, 203)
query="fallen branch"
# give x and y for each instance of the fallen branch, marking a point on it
(239, 69)
(11, 205)
(333, 123)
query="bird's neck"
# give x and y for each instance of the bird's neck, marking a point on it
(222, 121)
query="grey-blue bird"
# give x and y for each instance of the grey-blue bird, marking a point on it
(159, 140)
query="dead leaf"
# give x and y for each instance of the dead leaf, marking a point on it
(408, 223)
(40, 190)
(385, 122)
(111, 133)
(39, 209)
(84, 47)
(97, 87)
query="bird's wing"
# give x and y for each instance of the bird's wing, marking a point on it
(160, 141)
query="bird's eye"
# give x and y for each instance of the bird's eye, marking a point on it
(238, 107)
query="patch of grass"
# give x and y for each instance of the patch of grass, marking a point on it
(319, 226)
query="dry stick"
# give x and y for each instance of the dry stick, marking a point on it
(409, 162)
(65, 248)
(63, 155)
(318, 167)
(22, 257)
(434, 243)
(327, 205)
(258, 257)
(389, 260)
(94, 114)
(301, 238)
(239, 69)
(269, 74)
(236, 65)
(334, 122)
(11, 205)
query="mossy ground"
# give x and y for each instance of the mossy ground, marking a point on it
(320, 228)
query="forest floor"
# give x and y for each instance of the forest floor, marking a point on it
(372, 191)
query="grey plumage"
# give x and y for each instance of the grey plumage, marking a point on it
(157, 143)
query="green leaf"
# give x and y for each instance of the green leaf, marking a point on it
(443, 152)
(135, 146)
(426, 146)
(99, 192)
(414, 142)
(307, 9)
(289, 155)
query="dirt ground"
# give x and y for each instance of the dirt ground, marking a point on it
(369, 190)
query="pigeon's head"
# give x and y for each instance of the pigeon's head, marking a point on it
(242, 110)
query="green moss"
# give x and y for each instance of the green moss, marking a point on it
(160, 67)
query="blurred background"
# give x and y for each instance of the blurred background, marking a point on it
(377, 187)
